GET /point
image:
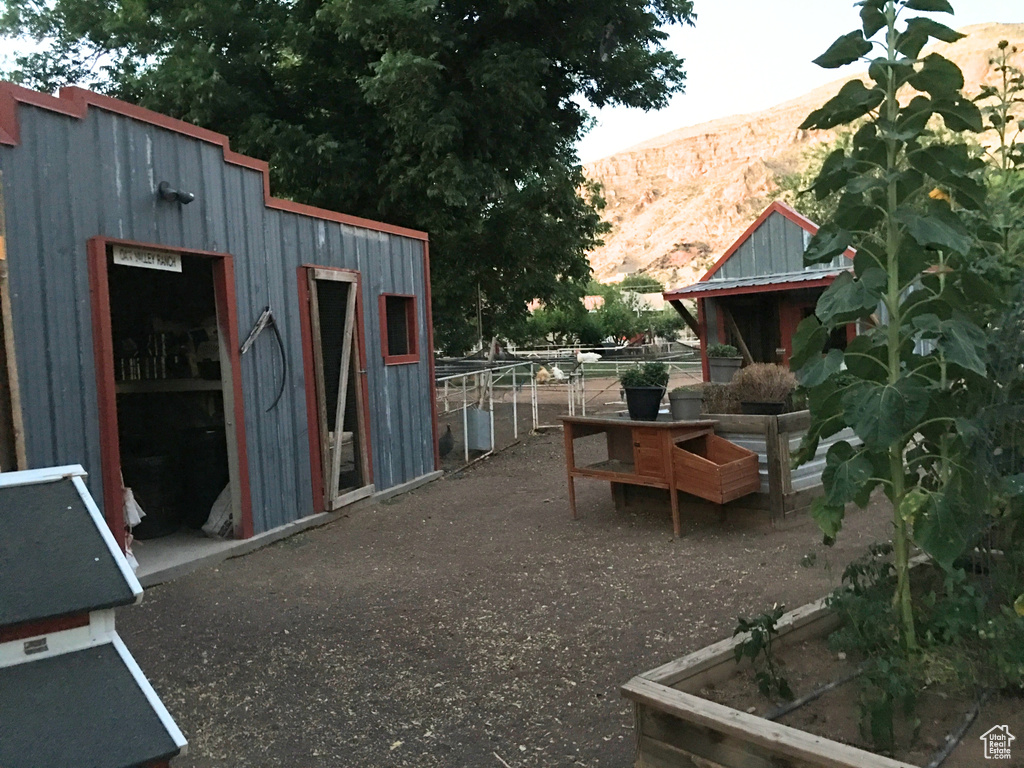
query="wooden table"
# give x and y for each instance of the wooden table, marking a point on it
(639, 452)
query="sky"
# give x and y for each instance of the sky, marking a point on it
(747, 55)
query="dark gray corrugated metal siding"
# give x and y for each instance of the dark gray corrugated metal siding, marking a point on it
(776, 247)
(69, 180)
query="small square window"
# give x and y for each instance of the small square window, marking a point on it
(398, 329)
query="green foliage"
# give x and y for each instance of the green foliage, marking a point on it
(458, 118)
(794, 188)
(926, 281)
(972, 639)
(641, 284)
(722, 350)
(645, 375)
(758, 647)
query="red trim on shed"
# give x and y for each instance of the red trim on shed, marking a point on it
(106, 394)
(75, 102)
(309, 374)
(702, 323)
(412, 355)
(429, 310)
(43, 627)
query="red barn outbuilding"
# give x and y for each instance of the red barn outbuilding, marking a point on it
(757, 293)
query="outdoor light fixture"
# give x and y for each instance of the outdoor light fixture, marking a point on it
(172, 195)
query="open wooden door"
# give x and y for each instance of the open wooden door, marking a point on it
(339, 363)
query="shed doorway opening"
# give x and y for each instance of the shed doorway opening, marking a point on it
(339, 364)
(171, 372)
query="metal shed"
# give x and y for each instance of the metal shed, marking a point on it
(103, 202)
(757, 293)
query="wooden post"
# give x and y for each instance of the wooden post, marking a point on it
(570, 465)
(11, 423)
(776, 489)
(689, 319)
(735, 331)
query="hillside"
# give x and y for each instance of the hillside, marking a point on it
(678, 201)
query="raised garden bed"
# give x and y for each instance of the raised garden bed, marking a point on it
(678, 725)
(675, 728)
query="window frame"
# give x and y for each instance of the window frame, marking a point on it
(412, 328)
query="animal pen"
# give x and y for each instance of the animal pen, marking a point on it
(175, 329)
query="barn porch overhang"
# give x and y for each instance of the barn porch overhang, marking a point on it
(814, 278)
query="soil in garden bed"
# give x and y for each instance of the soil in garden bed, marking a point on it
(811, 664)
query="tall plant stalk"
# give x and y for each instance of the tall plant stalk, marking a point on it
(907, 197)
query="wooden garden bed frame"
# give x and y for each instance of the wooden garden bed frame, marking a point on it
(675, 728)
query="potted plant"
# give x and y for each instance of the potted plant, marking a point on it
(764, 389)
(645, 386)
(685, 402)
(723, 362)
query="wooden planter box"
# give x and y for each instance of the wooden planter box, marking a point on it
(677, 729)
(712, 468)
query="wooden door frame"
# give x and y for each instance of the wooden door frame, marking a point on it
(231, 378)
(316, 396)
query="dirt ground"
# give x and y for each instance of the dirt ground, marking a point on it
(468, 623)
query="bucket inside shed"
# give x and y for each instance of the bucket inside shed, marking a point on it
(170, 377)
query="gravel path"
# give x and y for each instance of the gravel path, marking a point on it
(469, 623)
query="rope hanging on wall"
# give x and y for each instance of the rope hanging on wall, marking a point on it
(266, 319)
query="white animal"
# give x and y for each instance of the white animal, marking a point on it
(587, 357)
(557, 373)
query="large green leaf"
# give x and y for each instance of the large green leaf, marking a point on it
(850, 298)
(846, 472)
(872, 19)
(808, 341)
(882, 414)
(827, 244)
(960, 114)
(846, 50)
(854, 100)
(919, 31)
(963, 343)
(818, 369)
(935, 6)
(949, 524)
(938, 76)
(828, 517)
(867, 355)
(936, 229)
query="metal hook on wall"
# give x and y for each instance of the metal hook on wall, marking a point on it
(266, 319)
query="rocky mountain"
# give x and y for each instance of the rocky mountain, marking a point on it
(678, 201)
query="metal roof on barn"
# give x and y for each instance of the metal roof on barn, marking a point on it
(770, 252)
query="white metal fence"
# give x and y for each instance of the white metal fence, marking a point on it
(488, 407)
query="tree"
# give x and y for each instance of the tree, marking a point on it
(458, 117)
(641, 284)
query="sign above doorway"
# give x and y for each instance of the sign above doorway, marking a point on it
(140, 257)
